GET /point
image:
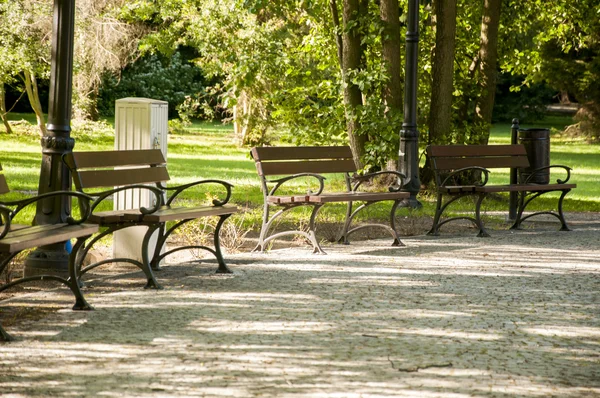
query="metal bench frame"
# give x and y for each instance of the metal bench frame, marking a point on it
(14, 238)
(143, 169)
(450, 163)
(311, 162)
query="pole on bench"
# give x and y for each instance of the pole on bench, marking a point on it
(512, 200)
(54, 175)
(408, 155)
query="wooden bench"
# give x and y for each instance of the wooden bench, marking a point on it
(14, 238)
(463, 170)
(143, 171)
(291, 163)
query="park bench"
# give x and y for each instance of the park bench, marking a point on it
(14, 238)
(463, 170)
(291, 163)
(143, 172)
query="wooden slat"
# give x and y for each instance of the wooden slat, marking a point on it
(43, 235)
(107, 159)
(3, 185)
(288, 199)
(475, 150)
(184, 213)
(523, 187)
(317, 166)
(106, 217)
(301, 153)
(357, 196)
(110, 178)
(488, 162)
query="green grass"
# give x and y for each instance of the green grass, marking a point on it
(207, 150)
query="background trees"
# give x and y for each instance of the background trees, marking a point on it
(317, 71)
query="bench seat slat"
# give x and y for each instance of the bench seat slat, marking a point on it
(357, 196)
(315, 166)
(106, 159)
(182, 213)
(301, 153)
(40, 235)
(108, 217)
(523, 187)
(457, 189)
(104, 178)
(487, 162)
(288, 199)
(475, 150)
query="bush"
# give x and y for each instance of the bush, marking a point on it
(167, 79)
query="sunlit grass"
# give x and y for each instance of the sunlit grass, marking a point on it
(209, 151)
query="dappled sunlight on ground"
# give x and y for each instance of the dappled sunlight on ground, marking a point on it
(458, 316)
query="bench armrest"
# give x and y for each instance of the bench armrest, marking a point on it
(281, 181)
(485, 171)
(99, 197)
(8, 213)
(181, 188)
(559, 181)
(359, 179)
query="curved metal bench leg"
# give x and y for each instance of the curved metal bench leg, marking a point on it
(73, 282)
(154, 261)
(397, 241)
(436, 218)
(312, 229)
(223, 269)
(152, 283)
(482, 232)
(561, 216)
(347, 221)
(520, 210)
(263, 229)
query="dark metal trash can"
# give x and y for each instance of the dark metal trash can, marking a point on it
(537, 146)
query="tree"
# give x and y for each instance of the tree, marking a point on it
(562, 48)
(440, 112)
(24, 33)
(488, 62)
(104, 42)
(389, 10)
(352, 55)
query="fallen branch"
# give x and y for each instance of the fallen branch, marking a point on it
(417, 368)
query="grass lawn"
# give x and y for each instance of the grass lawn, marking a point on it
(207, 150)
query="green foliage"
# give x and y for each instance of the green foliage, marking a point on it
(561, 46)
(514, 99)
(171, 79)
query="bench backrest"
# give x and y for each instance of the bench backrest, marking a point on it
(307, 159)
(452, 157)
(3, 185)
(97, 169)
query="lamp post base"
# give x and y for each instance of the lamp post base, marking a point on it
(48, 260)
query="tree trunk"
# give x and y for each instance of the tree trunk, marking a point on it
(351, 61)
(338, 36)
(488, 56)
(3, 110)
(389, 12)
(34, 100)
(390, 42)
(440, 113)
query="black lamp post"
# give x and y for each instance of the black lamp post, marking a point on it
(408, 156)
(54, 176)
